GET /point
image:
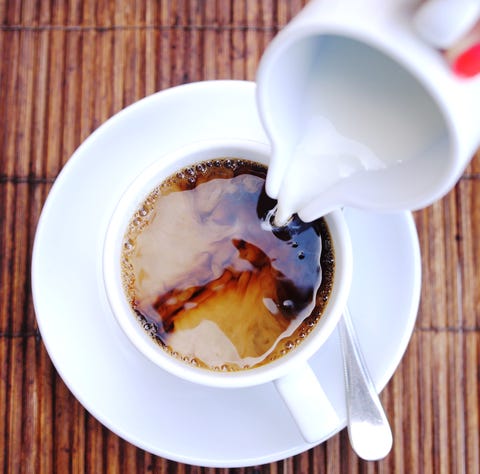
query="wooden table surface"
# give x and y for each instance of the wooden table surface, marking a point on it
(66, 67)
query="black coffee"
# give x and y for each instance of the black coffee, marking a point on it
(212, 280)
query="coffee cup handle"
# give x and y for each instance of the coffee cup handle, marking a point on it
(304, 396)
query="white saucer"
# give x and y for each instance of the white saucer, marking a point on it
(128, 394)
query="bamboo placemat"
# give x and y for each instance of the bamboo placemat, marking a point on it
(65, 68)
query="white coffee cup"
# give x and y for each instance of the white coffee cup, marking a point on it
(291, 374)
(379, 83)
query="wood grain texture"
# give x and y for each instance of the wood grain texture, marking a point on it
(66, 67)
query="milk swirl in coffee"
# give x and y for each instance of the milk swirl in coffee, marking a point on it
(209, 277)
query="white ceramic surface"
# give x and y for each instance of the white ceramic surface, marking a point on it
(444, 22)
(121, 388)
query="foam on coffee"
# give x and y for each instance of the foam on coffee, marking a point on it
(209, 277)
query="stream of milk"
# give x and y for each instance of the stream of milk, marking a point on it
(321, 158)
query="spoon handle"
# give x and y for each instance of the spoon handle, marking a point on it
(368, 428)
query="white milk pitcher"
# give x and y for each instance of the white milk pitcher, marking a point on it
(362, 112)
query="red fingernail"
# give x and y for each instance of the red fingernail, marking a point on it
(467, 64)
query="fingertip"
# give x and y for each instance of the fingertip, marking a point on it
(467, 64)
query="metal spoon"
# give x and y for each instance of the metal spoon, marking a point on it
(368, 428)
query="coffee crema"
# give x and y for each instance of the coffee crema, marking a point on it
(212, 280)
